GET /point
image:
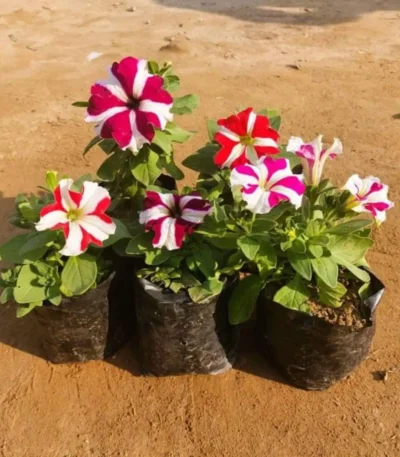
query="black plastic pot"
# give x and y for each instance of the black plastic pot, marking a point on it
(88, 327)
(314, 354)
(178, 336)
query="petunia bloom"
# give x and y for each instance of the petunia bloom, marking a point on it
(80, 215)
(244, 138)
(313, 156)
(171, 217)
(368, 195)
(129, 105)
(268, 183)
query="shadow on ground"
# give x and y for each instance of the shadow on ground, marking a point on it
(295, 12)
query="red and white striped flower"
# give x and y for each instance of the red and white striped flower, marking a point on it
(244, 138)
(80, 215)
(268, 183)
(129, 105)
(313, 156)
(368, 195)
(171, 217)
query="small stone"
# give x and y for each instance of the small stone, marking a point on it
(294, 66)
(147, 22)
(131, 9)
(13, 38)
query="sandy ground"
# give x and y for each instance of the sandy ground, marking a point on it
(233, 54)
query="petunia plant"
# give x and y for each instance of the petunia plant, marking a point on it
(133, 112)
(63, 250)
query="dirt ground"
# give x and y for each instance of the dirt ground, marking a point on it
(330, 67)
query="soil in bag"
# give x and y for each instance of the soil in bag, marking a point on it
(178, 336)
(88, 327)
(315, 351)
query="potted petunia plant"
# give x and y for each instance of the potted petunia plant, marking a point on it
(61, 269)
(299, 244)
(133, 112)
(183, 287)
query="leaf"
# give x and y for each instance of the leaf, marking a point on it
(293, 295)
(316, 250)
(263, 224)
(91, 143)
(7, 295)
(79, 274)
(319, 240)
(171, 168)
(350, 227)
(205, 261)
(157, 256)
(51, 180)
(81, 104)
(349, 248)
(178, 134)
(9, 251)
(249, 246)
(28, 289)
(301, 264)
(331, 296)
(207, 290)
(244, 298)
(109, 168)
(38, 240)
(144, 166)
(365, 291)
(266, 258)
(56, 301)
(326, 269)
(140, 243)
(275, 122)
(359, 273)
(153, 67)
(121, 233)
(171, 83)
(202, 161)
(24, 310)
(185, 105)
(163, 141)
(108, 146)
(212, 128)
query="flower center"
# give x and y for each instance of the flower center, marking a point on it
(247, 140)
(74, 214)
(133, 103)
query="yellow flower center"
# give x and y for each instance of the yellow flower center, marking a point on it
(291, 234)
(247, 140)
(74, 214)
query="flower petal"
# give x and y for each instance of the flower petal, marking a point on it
(98, 227)
(69, 199)
(119, 128)
(51, 219)
(335, 150)
(103, 104)
(73, 245)
(126, 72)
(156, 114)
(165, 234)
(257, 200)
(294, 144)
(153, 91)
(245, 176)
(194, 209)
(95, 199)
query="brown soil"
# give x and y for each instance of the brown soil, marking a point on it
(233, 53)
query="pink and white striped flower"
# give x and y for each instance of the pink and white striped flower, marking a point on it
(129, 105)
(244, 138)
(313, 156)
(80, 215)
(171, 217)
(368, 195)
(268, 183)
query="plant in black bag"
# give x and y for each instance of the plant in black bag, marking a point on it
(133, 111)
(62, 255)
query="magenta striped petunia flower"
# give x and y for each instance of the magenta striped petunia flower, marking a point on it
(244, 138)
(171, 217)
(81, 216)
(129, 105)
(368, 195)
(313, 156)
(268, 183)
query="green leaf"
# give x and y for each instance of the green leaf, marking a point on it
(359, 273)
(26, 309)
(301, 264)
(185, 105)
(207, 290)
(319, 240)
(121, 233)
(91, 143)
(9, 251)
(81, 104)
(28, 289)
(293, 295)
(365, 291)
(266, 258)
(212, 128)
(172, 169)
(244, 298)
(299, 246)
(153, 67)
(275, 122)
(203, 160)
(163, 141)
(205, 261)
(316, 250)
(51, 180)
(78, 183)
(7, 295)
(349, 248)
(140, 243)
(228, 241)
(327, 270)
(313, 229)
(263, 224)
(171, 83)
(331, 296)
(56, 301)
(38, 240)
(157, 256)
(249, 246)
(108, 145)
(109, 168)
(79, 274)
(144, 166)
(178, 134)
(350, 227)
